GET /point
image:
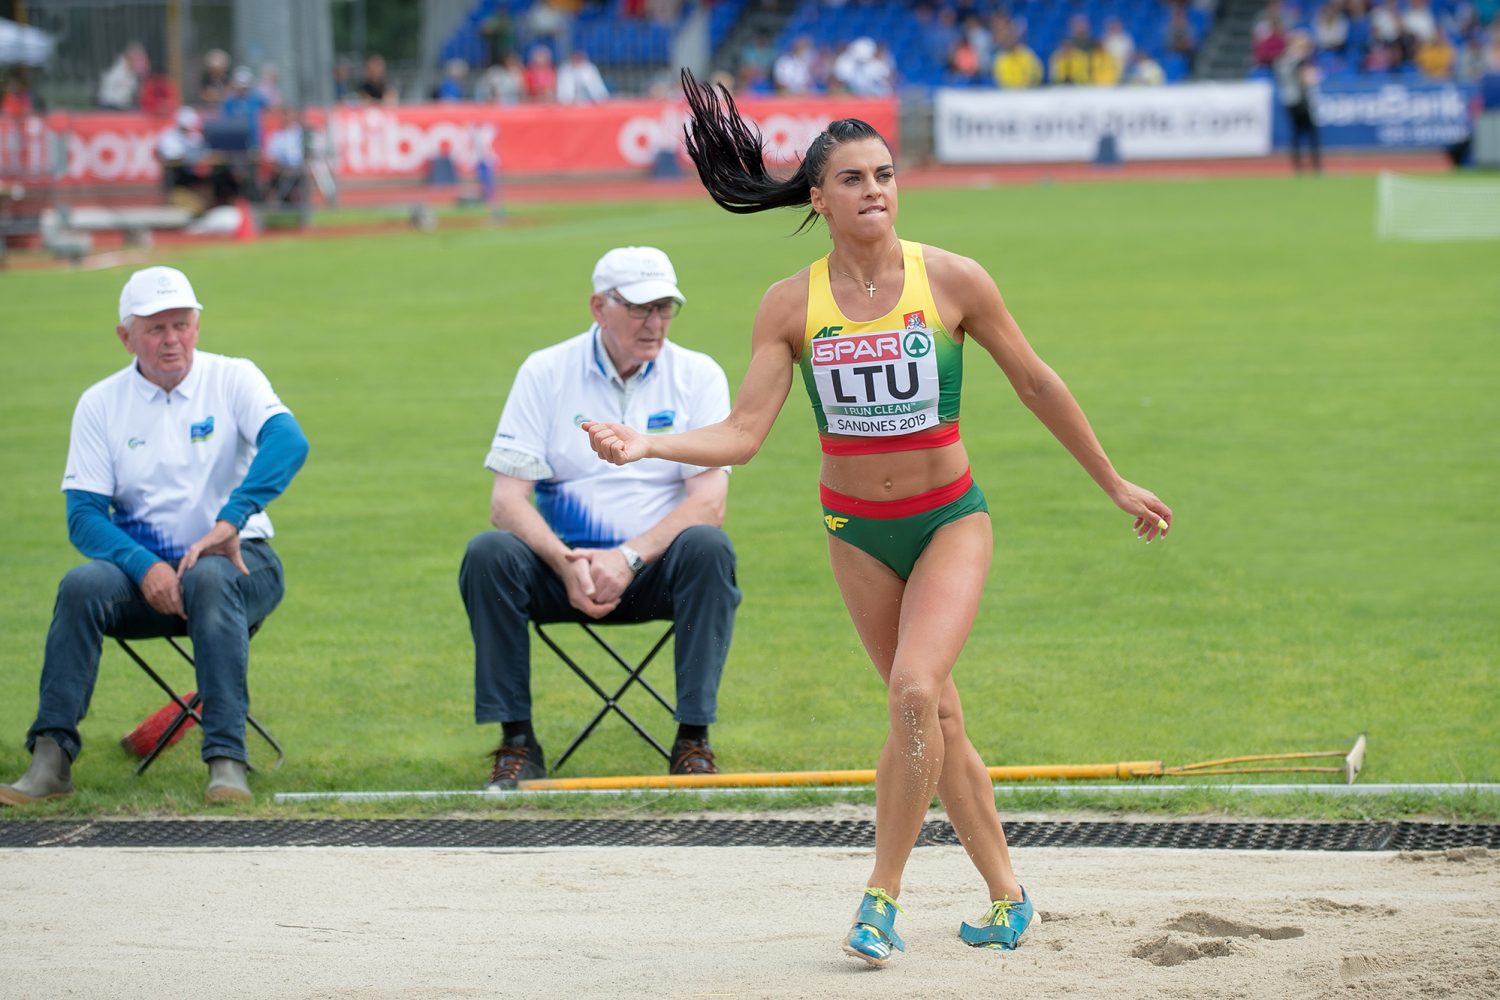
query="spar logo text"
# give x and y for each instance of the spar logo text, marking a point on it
(859, 363)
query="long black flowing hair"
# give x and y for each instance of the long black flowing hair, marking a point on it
(730, 154)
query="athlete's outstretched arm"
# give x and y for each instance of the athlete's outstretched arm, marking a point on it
(989, 322)
(735, 439)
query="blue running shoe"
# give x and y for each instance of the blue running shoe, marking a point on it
(873, 935)
(1001, 926)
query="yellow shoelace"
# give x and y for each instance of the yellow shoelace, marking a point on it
(882, 899)
(998, 912)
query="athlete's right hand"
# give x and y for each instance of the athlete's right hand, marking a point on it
(615, 443)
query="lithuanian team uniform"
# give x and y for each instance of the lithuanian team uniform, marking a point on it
(885, 385)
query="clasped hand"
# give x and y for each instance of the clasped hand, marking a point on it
(596, 579)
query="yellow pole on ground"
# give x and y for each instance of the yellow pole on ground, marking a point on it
(784, 779)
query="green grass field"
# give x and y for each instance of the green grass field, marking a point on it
(1319, 408)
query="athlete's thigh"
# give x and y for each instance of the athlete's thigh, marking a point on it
(872, 593)
(942, 594)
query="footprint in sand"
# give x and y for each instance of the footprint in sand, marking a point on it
(1171, 949)
(1355, 967)
(1319, 904)
(1208, 925)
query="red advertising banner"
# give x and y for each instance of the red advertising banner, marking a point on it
(536, 139)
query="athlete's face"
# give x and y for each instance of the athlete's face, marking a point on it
(858, 193)
(162, 344)
(633, 334)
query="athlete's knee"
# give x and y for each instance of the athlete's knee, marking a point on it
(913, 698)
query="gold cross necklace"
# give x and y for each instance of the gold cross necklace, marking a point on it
(870, 288)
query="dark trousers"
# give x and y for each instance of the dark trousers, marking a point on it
(1304, 129)
(99, 599)
(505, 586)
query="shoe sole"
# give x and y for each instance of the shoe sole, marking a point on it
(878, 963)
(11, 797)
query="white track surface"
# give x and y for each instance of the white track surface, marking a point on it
(736, 922)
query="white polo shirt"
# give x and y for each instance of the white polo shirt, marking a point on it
(588, 502)
(169, 460)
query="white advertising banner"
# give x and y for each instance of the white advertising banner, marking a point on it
(1061, 124)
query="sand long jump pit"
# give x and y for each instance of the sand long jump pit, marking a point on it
(737, 921)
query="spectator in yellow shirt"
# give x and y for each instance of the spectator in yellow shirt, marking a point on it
(1435, 57)
(1016, 66)
(1070, 65)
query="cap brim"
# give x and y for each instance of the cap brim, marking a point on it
(170, 302)
(650, 291)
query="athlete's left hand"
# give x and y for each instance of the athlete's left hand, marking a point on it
(1152, 517)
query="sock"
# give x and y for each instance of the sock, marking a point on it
(512, 731)
(687, 732)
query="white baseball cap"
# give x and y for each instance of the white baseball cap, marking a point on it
(639, 274)
(155, 289)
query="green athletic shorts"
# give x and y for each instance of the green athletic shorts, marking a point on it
(897, 531)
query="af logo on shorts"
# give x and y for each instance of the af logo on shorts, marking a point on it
(834, 523)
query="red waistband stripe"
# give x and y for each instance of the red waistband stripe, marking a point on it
(932, 437)
(885, 510)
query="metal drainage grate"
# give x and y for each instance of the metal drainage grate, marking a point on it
(523, 833)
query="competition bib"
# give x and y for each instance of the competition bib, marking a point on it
(877, 384)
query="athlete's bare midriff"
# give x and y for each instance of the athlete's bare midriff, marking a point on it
(894, 475)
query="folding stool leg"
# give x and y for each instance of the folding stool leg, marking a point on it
(187, 709)
(611, 701)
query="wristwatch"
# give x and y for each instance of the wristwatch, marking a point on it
(633, 559)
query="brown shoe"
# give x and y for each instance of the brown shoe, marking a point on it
(693, 757)
(517, 759)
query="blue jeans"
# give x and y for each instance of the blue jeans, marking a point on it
(99, 599)
(505, 585)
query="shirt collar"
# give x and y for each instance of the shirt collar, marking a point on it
(603, 366)
(150, 391)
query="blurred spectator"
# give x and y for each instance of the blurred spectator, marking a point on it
(1181, 40)
(940, 37)
(794, 70)
(213, 83)
(1080, 34)
(551, 20)
(375, 88)
(244, 105)
(15, 97)
(1435, 57)
(1016, 65)
(579, 82)
(454, 85)
(1270, 40)
(865, 68)
(344, 91)
(1069, 65)
(1390, 46)
(1118, 43)
(540, 76)
(1296, 84)
(268, 86)
(1144, 71)
(117, 87)
(666, 12)
(1417, 22)
(503, 83)
(158, 95)
(963, 62)
(1469, 64)
(180, 149)
(498, 35)
(758, 53)
(1331, 29)
(979, 39)
(285, 154)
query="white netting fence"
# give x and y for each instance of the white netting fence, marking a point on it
(1437, 209)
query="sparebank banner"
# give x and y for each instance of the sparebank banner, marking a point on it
(1060, 124)
(1380, 113)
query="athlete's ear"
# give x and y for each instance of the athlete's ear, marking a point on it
(815, 194)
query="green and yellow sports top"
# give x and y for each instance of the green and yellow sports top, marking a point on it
(887, 384)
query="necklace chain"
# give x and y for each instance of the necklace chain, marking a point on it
(870, 288)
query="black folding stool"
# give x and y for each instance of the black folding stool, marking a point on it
(633, 675)
(188, 709)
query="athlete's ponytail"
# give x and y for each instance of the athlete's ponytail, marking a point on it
(730, 154)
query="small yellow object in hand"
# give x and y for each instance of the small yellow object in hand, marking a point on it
(1161, 524)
